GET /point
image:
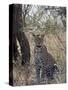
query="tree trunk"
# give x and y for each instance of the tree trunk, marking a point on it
(19, 35)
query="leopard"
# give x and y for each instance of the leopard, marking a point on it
(45, 64)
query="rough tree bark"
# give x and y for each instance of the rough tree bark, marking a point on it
(19, 35)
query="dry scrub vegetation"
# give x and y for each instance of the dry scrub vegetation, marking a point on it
(49, 20)
(26, 75)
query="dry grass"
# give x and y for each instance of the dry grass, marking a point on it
(25, 75)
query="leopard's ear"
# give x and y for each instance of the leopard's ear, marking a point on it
(43, 34)
(32, 34)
